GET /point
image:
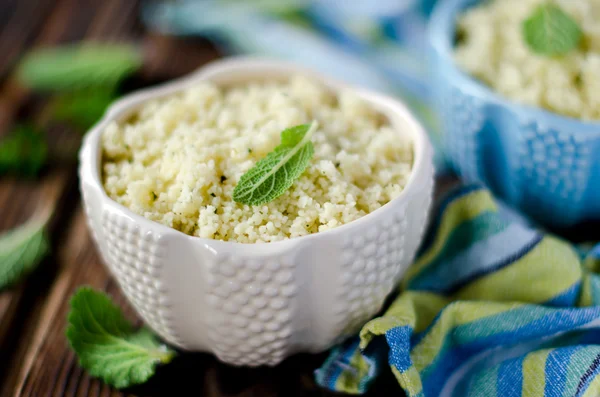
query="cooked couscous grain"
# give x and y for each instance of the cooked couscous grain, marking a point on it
(178, 159)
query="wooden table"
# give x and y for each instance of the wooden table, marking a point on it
(34, 357)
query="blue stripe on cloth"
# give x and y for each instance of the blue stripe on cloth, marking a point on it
(398, 340)
(484, 257)
(595, 252)
(567, 298)
(510, 378)
(441, 208)
(526, 321)
(549, 324)
(432, 381)
(556, 370)
(509, 319)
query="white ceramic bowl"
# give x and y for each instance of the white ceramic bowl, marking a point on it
(254, 304)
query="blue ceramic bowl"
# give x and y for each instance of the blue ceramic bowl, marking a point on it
(543, 163)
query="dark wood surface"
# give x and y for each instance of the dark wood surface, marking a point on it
(34, 356)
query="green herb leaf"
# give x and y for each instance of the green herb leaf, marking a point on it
(21, 249)
(107, 345)
(274, 174)
(79, 66)
(550, 31)
(82, 108)
(23, 152)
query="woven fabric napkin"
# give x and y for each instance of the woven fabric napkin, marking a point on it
(491, 307)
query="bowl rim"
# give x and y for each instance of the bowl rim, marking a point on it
(441, 28)
(90, 153)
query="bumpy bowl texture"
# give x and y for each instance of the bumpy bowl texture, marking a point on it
(254, 304)
(541, 162)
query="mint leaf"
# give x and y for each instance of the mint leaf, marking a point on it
(550, 31)
(84, 108)
(21, 249)
(77, 66)
(23, 152)
(274, 174)
(107, 345)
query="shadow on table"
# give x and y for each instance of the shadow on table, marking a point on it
(203, 375)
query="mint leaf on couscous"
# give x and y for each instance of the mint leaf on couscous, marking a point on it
(550, 31)
(274, 174)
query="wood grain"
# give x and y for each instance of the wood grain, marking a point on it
(19, 313)
(36, 360)
(19, 25)
(40, 26)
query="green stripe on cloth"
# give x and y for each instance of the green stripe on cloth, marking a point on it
(410, 381)
(532, 278)
(484, 383)
(593, 389)
(414, 309)
(463, 209)
(534, 384)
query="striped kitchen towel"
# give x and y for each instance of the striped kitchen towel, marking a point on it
(491, 307)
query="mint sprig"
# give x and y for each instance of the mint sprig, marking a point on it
(550, 31)
(23, 152)
(107, 345)
(78, 66)
(82, 108)
(21, 249)
(277, 172)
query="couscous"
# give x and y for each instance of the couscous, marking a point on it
(492, 49)
(178, 159)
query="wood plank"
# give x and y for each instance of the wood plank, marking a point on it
(19, 198)
(20, 22)
(52, 189)
(82, 262)
(19, 306)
